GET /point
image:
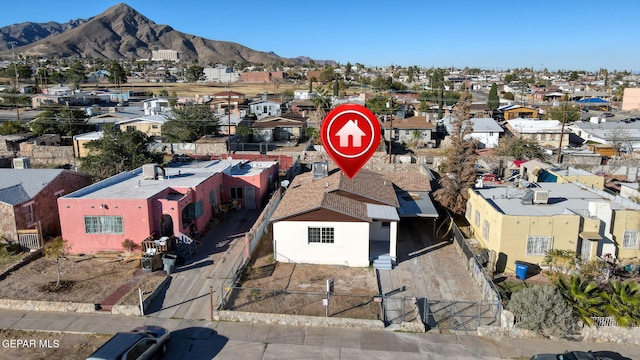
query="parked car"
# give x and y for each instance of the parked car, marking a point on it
(145, 342)
(607, 114)
(570, 355)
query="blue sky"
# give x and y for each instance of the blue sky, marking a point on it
(493, 34)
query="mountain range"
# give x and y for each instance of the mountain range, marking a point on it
(122, 32)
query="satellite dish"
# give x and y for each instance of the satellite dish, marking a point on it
(284, 183)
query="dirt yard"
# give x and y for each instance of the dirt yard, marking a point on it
(298, 289)
(88, 279)
(41, 345)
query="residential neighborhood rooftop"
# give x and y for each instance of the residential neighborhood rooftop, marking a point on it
(563, 199)
(19, 185)
(132, 185)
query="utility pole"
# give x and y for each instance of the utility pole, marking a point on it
(390, 106)
(564, 118)
(15, 86)
(229, 117)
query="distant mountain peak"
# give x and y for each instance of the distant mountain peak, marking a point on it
(122, 32)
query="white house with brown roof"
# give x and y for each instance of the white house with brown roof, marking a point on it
(332, 220)
(415, 129)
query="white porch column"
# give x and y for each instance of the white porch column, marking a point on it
(393, 234)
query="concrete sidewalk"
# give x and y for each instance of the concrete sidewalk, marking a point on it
(188, 293)
(200, 339)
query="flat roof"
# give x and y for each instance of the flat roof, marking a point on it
(416, 204)
(563, 199)
(131, 185)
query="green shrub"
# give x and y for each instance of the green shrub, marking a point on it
(542, 309)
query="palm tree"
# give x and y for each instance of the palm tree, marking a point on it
(584, 297)
(322, 101)
(623, 302)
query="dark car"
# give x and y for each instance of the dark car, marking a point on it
(607, 114)
(570, 355)
(145, 342)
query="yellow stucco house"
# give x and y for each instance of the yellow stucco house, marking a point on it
(523, 224)
(151, 125)
(518, 111)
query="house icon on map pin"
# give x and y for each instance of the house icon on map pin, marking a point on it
(350, 129)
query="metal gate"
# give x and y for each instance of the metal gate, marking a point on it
(30, 239)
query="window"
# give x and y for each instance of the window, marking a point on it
(322, 235)
(490, 133)
(539, 245)
(154, 126)
(236, 193)
(212, 197)
(199, 208)
(485, 230)
(543, 136)
(469, 210)
(139, 349)
(103, 225)
(30, 215)
(477, 220)
(386, 224)
(630, 239)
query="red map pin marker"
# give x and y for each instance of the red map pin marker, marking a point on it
(350, 134)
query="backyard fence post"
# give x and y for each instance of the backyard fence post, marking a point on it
(141, 303)
(222, 295)
(211, 302)
(479, 311)
(453, 304)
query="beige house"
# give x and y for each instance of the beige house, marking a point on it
(631, 99)
(79, 142)
(151, 125)
(522, 224)
(545, 132)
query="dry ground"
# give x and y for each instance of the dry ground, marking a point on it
(298, 289)
(94, 278)
(48, 345)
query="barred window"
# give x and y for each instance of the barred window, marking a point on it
(477, 218)
(469, 210)
(539, 245)
(103, 225)
(485, 230)
(630, 239)
(323, 235)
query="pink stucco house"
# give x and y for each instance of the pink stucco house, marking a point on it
(161, 201)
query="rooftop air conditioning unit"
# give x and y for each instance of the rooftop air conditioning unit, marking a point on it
(320, 169)
(541, 196)
(151, 172)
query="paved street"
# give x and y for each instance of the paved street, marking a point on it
(200, 339)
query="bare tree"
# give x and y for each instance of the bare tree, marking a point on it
(56, 250)
(461, 159)
(619, 139)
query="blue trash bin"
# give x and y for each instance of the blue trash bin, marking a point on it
(521, 271)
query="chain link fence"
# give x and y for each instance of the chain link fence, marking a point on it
(287, 302)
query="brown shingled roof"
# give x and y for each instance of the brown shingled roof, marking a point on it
(306, 194)
(409, 181)
(370, 185)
